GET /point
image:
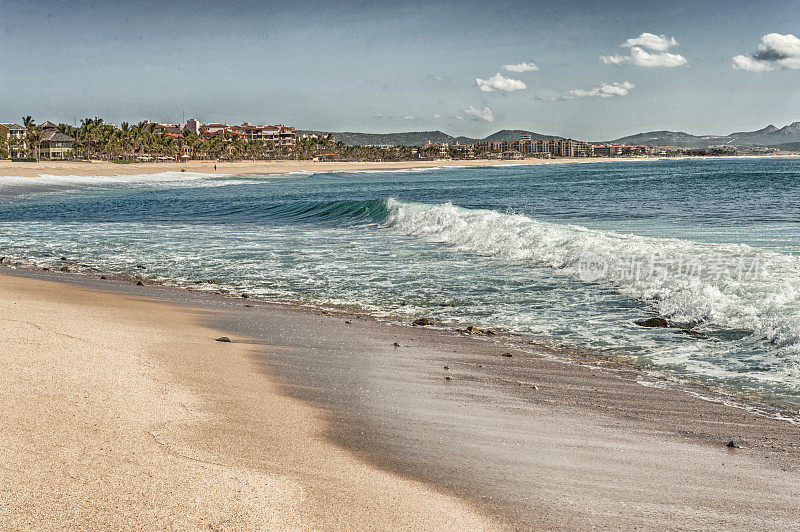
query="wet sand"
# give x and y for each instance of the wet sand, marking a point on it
(124, 413)
(543, 439)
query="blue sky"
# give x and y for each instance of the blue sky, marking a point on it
(406, 66)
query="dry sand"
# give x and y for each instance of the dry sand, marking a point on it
(124, 413)
(8, 168)
(85, 168)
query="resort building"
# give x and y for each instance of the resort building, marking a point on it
(442, 149)
(465, 151)
(54, 144)
(192, 125)
(284, 136)
(14, 134)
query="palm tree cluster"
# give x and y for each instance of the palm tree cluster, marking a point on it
(96, 139)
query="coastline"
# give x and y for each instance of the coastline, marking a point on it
(589, 431)
(123, 412)
(86, 168)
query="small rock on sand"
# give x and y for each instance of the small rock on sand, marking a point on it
(422, 321)
(139, 283)
(102, 276)
(223, 339)
(734, 444)
(448, 377)
(397, 345)
(507, 355)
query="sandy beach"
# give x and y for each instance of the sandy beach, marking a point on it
(82, 168)
(86, 168)
(121, 411)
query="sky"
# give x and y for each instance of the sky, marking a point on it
(593, 71)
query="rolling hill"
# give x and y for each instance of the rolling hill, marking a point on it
(767, 136)
(418, 138)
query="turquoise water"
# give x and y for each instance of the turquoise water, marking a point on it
(570, 254)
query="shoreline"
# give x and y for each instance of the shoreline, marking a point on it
(123, 412)
(653, 375)
(86, 168)
(596, 413)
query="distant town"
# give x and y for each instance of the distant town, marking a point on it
(148, 141)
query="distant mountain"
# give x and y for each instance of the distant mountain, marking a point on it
(767, 136)
(788, 146)
(515, 134)
(418, 138)
(411, 138)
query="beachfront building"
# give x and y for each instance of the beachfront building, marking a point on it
(276, 136)
(192, 125)
(463, 151)
(14, 135)
(437, 149)
(54, 144)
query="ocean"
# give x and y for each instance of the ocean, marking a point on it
(564, 254)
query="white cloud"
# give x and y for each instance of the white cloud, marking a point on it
(500, 83)
(742, 62)
(657, 43)
(605, 90)
(640, 57)
(530, 66)
(480, 114)
(775, 51)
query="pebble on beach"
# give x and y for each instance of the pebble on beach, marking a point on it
(223, 339)
(733, 444)
(139, 283)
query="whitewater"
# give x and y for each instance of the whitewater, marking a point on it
(565, 254)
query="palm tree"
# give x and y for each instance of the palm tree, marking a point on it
(30, 126)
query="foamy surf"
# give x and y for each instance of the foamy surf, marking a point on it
(569, 255)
